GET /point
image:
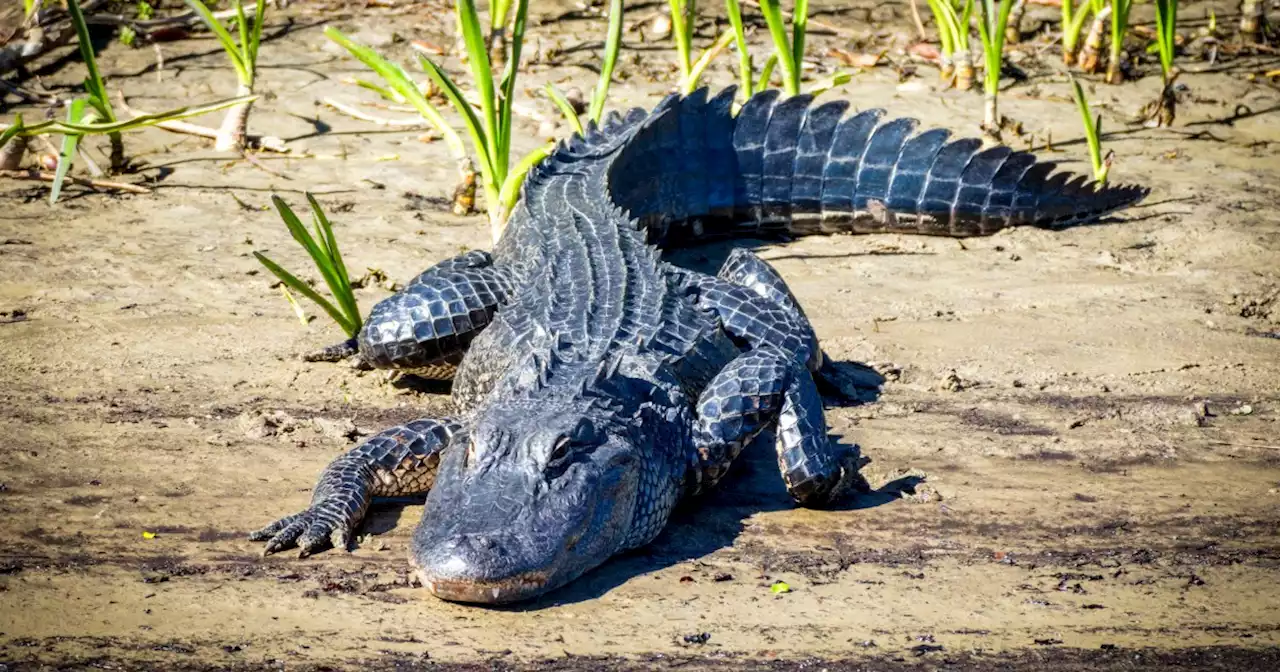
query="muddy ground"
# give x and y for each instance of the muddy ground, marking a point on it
(1078, 444)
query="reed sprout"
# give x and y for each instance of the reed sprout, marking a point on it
(1119, 27)
(953, 35)
(324, 252)
(991, 30)
(1166, 35)
(1093, 135)
(489, 128)
(242, 51)
(599, 95)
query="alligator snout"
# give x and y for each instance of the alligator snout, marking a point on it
(478, 568)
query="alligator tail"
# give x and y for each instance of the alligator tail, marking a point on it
(692, 169)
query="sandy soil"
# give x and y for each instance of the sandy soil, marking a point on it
(1090, 419)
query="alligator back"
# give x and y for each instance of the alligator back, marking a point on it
(691, 169)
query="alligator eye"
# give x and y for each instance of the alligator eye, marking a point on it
(561, 450)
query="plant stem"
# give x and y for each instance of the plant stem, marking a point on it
(233, 134)
(1013, 29)
(745, 68)
(612, 45)
(963, 62)
(1119, 26)
(781, 46)
(12, 152)
(1253, 21)
(1090, 55)
(683, 13)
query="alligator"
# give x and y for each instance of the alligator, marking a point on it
(596, 384)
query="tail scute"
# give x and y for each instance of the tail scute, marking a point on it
(691, 169)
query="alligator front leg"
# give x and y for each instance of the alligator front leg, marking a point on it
(425, 328)
(766, 388)
(399, 461)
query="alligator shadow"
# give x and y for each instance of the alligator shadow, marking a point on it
(706, 525)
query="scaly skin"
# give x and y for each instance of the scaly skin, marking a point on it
(597, 385)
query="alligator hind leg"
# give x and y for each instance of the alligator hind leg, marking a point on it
(765, 388)
(426, 327)
(757, 308)
(396, 462)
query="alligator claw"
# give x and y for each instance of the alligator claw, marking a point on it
(849, 382)
(311, 531)
(334, 353)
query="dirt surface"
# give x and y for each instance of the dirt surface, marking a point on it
(1078, 444)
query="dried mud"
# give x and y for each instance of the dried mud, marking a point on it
(1077, 446)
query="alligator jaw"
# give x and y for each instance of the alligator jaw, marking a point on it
(484, 592)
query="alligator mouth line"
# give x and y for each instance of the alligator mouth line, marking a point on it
(485, 592)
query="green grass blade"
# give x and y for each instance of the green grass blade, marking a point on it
(255, 38)
(224, 38)
(93, 83)
(566, 108)
(509, 85)
(612, 44)
(482, 79)
(140, 121)
(12, 130)
(1091, 129)
(382, 91)
(398, 79)
(323, 261)
(66, 154)
(515, 178)
(475, 127)
(301, 287)
(242, 28)
(766, 71)
(680, 32)
(781, 47)
(745, 74)
(839, 78)
(1166, 27)
(799, 26)
(700, 66)
(342, 289)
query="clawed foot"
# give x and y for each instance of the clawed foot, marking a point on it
(311, 531)
(851, 482)
(347, 349)
(849, 382)
(338, 505)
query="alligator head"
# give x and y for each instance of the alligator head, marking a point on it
(540, 492)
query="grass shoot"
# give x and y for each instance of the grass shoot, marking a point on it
(1093, 135)
(600, 95)
(243, 54)
(684, 16)
(1091, 54)
(94, 85)
(788, 50)
(490, 131)
(1119, 27)
(489, 128)
(1166, 36)
(953, 34)
(991, 30)
(83, 120)
(1073, 18)
(324, 252)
